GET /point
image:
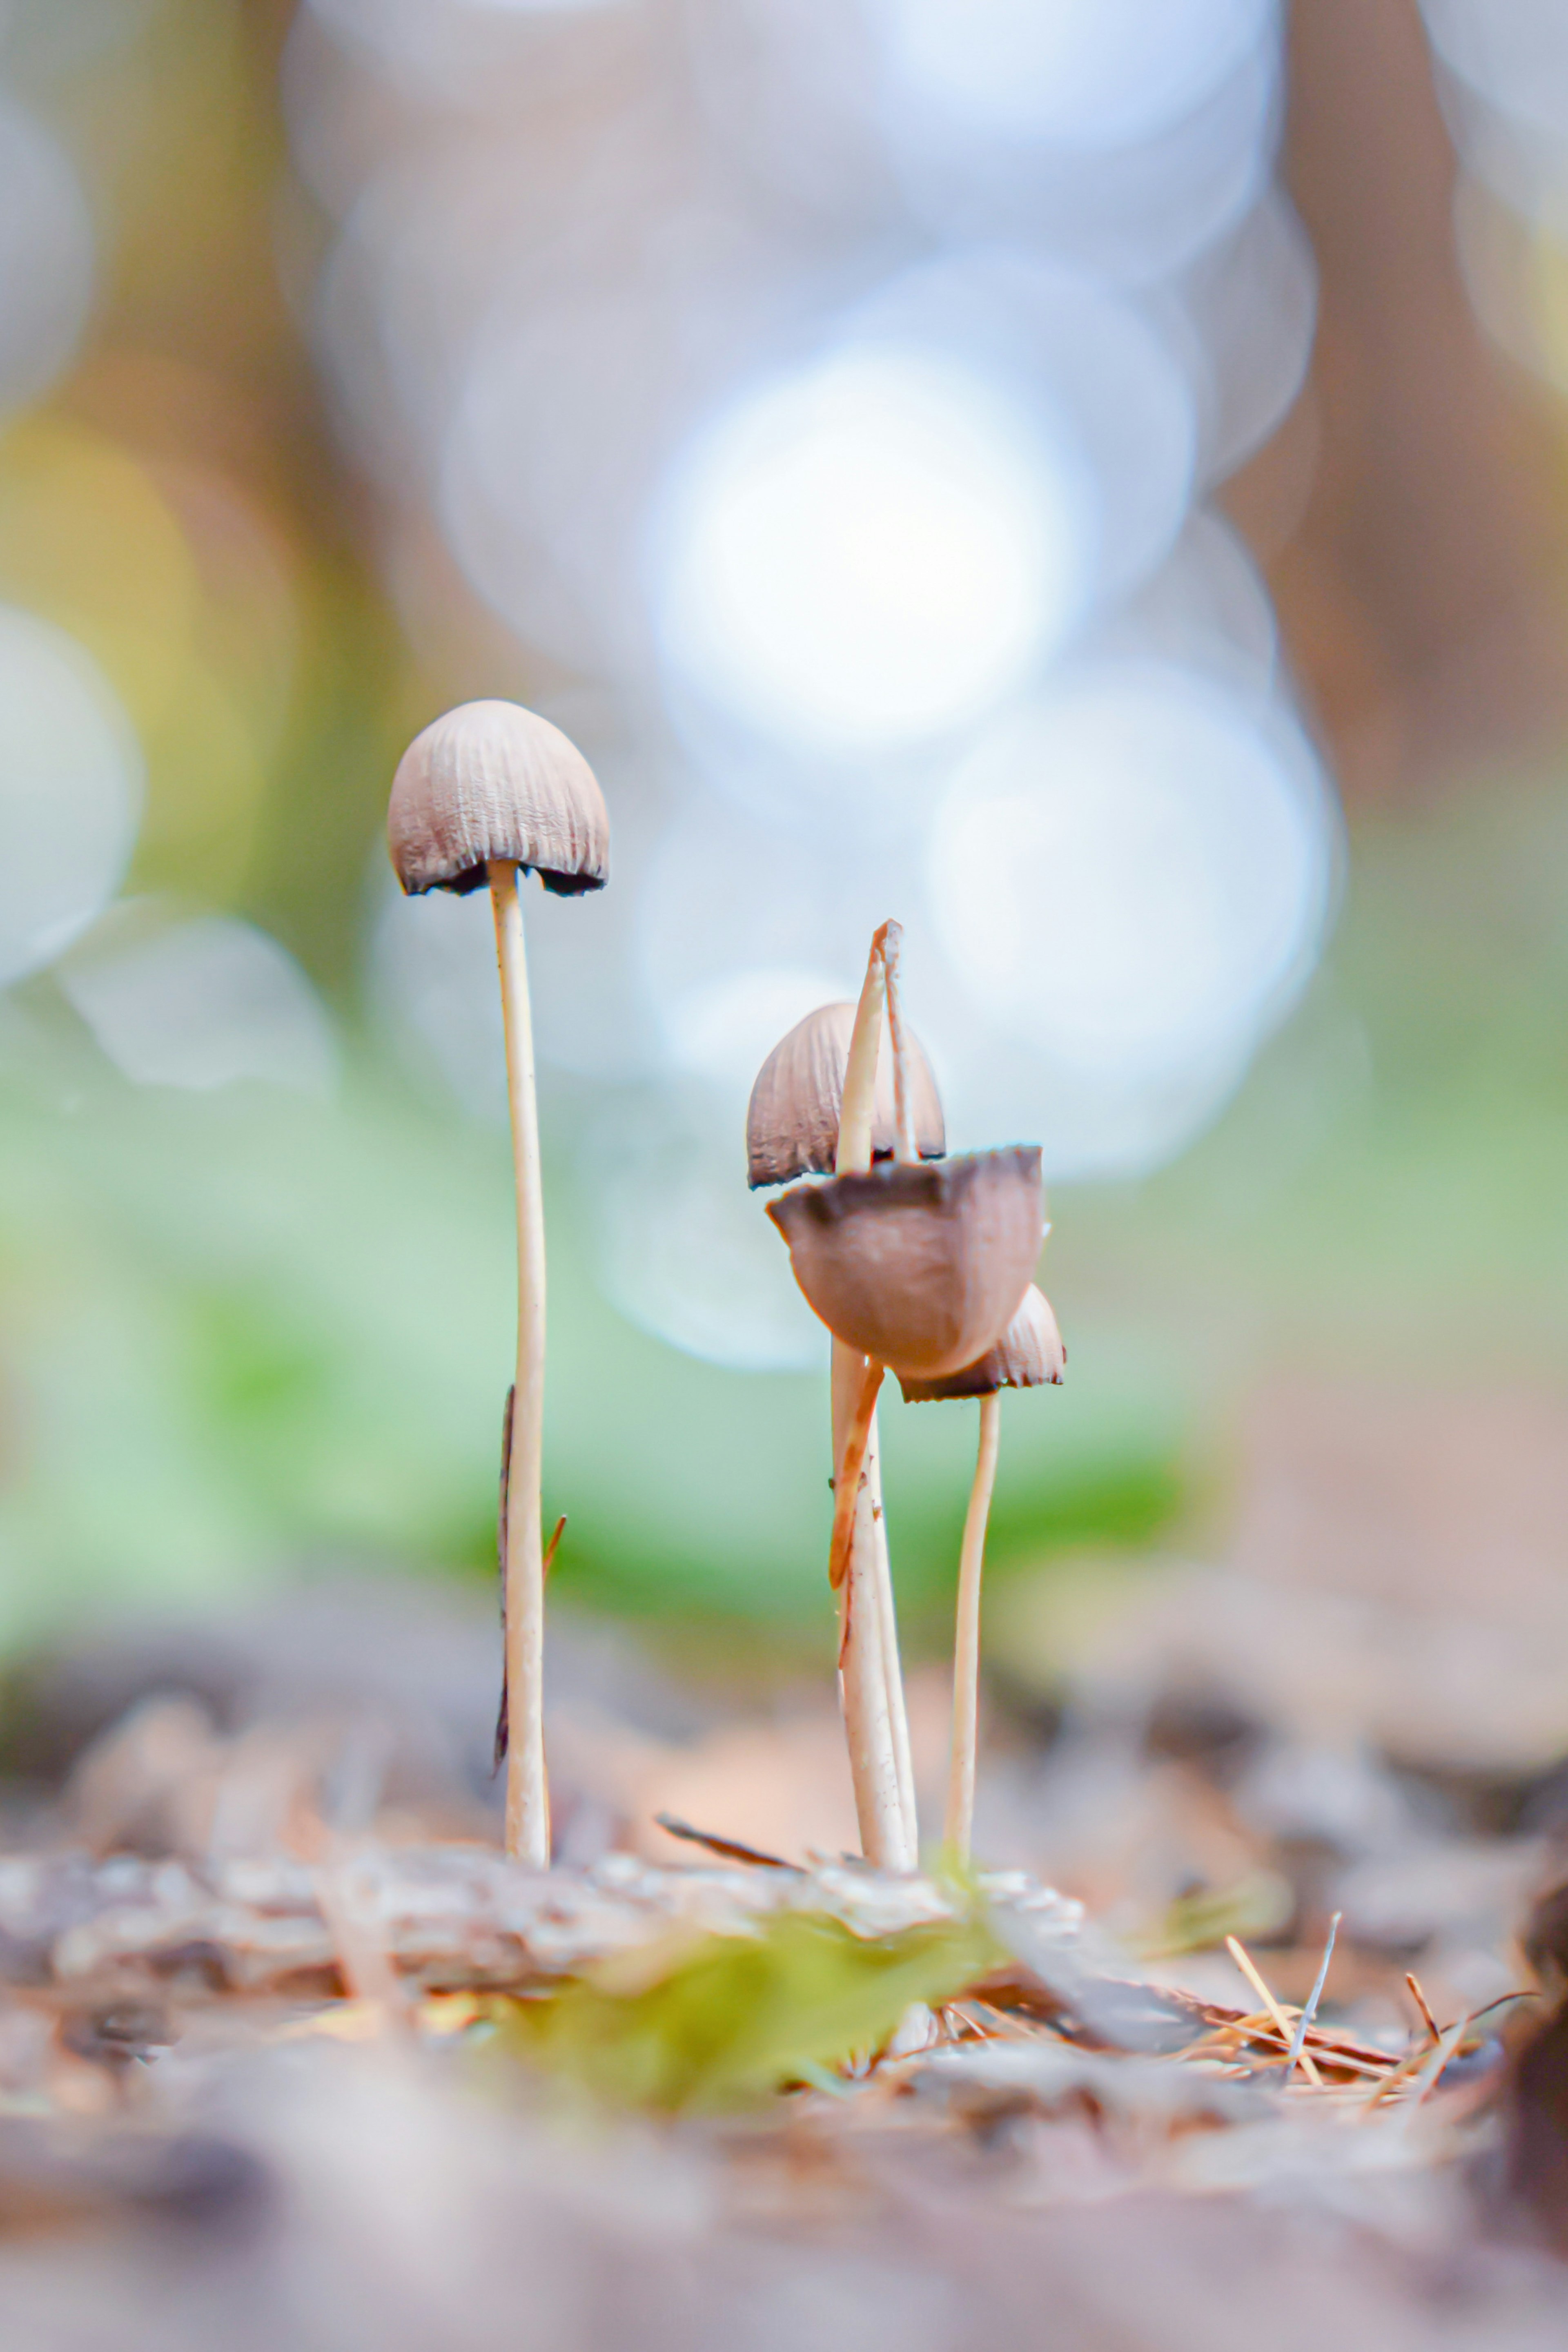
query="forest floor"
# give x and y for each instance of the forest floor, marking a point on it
(290, 2053)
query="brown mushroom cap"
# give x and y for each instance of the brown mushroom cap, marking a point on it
(1028, 1354)
(921, 1266)
(492, 780)
(792, 1120)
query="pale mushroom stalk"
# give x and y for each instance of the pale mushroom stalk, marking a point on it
(522, 1568)
(958, 1832)
(851, 1468)
(906, 1148)
(1027, 1355)
(870, 1680)
(904, 1145)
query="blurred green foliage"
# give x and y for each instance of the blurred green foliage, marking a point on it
(245, 1332)
(1384, 1198)
(722, 2021)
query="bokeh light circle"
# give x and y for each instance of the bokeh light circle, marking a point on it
(1088, 73)
(46, 257)
(685, 1250)
(1129, 875)
(70, 792)
(200, 1003)
(1512, 53)
(869, 552)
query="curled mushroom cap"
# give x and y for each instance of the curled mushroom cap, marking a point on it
(921, 1267)
(492, 780)
(792, 1120)
(1028, 1354)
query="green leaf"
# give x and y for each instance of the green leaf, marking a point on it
(724, 2021)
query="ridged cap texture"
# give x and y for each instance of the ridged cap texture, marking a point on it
(792, 1120)
(1029, 1355)
(492, 780)
(921, 1267)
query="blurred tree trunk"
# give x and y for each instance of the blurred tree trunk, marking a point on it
(1409, 513)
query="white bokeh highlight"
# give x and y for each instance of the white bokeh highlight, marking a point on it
(1511, 53)
(200, 1004)
(686, 1251)
(838, 392)
(46, 257)
(869, 552)
(71, 784)
(1131, 874)
(1086, 73)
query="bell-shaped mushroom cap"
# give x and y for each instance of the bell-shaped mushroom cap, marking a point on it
(792, 1120)
(1028, 1354)
(492, 780)
(921, 1267)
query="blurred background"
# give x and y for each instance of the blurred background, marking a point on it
(1089, 477)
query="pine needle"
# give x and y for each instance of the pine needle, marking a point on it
(1243, 1961)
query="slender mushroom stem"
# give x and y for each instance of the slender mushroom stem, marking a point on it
(523, 1584)
(870, 1682)
(967, 1645)
(904, 1147)
(857, 1105)
(906, 1150)
(863, 1678)
(891, 1667)
(851, 1467)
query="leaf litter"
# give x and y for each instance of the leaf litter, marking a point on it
(450, 2099)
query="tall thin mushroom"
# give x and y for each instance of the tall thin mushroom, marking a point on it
(486, 793)
(1028, 1354)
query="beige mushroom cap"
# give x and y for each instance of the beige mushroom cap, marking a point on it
(1029, 1355)
(492, 780)
(921, 1266)
(792, 1120)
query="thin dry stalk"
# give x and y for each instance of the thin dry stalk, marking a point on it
(1303, 2022)
(1266, 2039)
(1419, 1997)
(1243, 1961)
(523, 1580)
(960, 1821)
(1437, 2059)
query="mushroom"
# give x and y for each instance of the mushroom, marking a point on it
(792, 1120)
(914, 1267)
(486, 793)
(825, 1099)
(921, 1267)
(1028, 1354)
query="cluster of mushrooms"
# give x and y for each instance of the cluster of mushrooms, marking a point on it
(918, 1264)
(921, 1265)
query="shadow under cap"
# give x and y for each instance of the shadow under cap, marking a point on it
(491, 779)
(920, 1267)
(1029, 1355)
(792, 1118)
